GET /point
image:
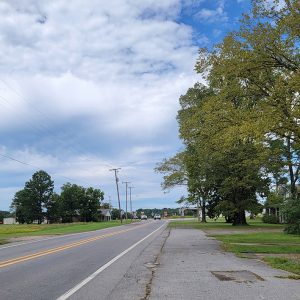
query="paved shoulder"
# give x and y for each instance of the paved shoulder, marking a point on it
(192, 266)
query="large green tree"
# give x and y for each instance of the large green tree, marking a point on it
(77, 202)
(244, 123)
(31, 203)
(259, 67)
(90, 204)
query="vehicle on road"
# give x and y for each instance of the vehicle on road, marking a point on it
(157, 217)
(144, 217)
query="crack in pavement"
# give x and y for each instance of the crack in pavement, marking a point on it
(153, 266)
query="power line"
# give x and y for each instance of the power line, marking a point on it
(19, 161)
(42, 127)
(37, 167)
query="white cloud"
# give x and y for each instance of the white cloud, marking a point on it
(84, 170)
(114, 67)
(96, 60)
(213, 15)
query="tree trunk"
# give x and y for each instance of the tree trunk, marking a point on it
(239, 218)
(293, 177)
(198, 211)
(228, 219)
(203, 209)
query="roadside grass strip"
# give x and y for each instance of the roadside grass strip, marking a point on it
(267, 242)
(220, 224)
(263, 245)
(14, 231)
(263, 248)
(20, 259)
(285, 263)
(263, 241)
(260, 238)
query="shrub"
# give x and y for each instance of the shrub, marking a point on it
(292, 212)
(271, 219)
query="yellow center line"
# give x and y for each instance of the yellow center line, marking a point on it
(20, 259)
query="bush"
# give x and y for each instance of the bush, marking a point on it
(293, 228)
(271, 219)
(292, 212)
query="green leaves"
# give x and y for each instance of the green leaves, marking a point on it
(241, 130)
(31, 202)
(37, 201)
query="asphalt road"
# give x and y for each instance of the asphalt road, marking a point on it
(49, 268)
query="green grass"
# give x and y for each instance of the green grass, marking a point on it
(261, 248)
(179, 217)
(284, 263)
(261, 240)
(266, 242)
(12, 231)
(220, 224)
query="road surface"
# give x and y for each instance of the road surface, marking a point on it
(59, 267)
(142, 261)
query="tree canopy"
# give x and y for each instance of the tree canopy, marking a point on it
(38, 201)
(241, 128)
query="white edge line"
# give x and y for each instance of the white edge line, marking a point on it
(97, 272)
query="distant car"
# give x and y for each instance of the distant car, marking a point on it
(157, 217)
(144, 217)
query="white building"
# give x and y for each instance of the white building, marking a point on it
(9, 221)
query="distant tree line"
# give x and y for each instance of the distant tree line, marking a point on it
(241, 129)
(150, 212)
(4, 214)
(37, 202)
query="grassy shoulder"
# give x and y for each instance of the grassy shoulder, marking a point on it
(284, 263)
(212, 224)
(267, 242)
(8, 232)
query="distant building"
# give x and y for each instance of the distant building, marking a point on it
(165, 212)
(105, 214)
(184, 211)
(9, 221)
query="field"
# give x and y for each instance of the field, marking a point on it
(13, 232)
(267, 242)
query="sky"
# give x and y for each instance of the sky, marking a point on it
(90, 85)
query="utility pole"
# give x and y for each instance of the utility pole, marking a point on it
(126, 182)
(109, 201)
(117, 180)
(131, 187)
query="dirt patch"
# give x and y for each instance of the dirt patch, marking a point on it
(237, 276)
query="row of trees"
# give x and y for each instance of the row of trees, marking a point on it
(241, 129)
(4, 214)
(37, 201)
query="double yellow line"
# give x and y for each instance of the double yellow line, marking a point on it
(20, 259)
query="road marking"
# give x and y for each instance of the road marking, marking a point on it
(58, 237)
(72, 291)
(20, 259)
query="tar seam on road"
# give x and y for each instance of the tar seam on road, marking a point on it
(20, 259)
(101, 269)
